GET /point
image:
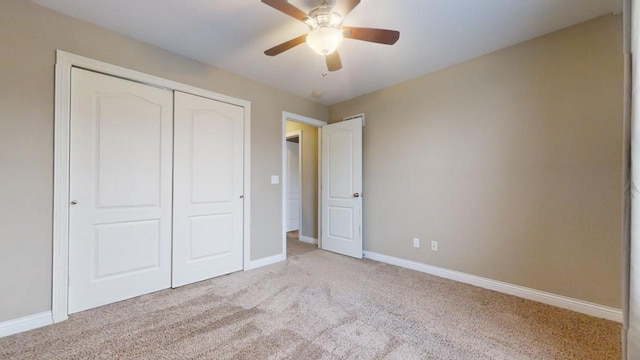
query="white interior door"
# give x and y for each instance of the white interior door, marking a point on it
(342, 187)
(120, 190)
(293, 186)
(208, 188)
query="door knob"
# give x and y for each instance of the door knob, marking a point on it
(73, 202)
(356, 195)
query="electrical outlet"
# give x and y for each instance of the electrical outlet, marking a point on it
(416, 242)
(434, 245)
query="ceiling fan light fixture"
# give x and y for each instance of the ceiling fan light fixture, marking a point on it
(324, 40)
(326, 31)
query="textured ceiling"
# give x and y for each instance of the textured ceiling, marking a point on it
(434, 34)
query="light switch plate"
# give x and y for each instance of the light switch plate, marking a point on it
(275, 179)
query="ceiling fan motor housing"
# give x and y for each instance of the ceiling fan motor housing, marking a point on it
(322, 16)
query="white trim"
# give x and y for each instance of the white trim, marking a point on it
(64, 62)
(247, 187)
(319, 243)
(294, 134)
(304, 120)
(560, 301)
(265, 262)
(25, 323)
(308, 239)
(60, 264)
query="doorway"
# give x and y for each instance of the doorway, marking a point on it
(331, 185)
(300, 188)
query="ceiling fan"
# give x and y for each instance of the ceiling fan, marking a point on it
(327, 32)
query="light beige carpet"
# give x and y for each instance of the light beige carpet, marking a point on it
(296, 247)
(319, 305)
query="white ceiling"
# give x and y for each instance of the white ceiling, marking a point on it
(434, 34)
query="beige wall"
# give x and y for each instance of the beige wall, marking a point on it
(309, 177)
(29, 36)
(512, 161)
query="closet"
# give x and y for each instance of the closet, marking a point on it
(155, 189)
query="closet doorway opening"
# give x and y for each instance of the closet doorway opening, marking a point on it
(150, 101)
(301, 184)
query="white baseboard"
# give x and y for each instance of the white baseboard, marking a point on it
(254, 264)
(25, 323)
(308, 239)
(584, 307)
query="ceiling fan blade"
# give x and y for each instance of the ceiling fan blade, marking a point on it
(380, 36)
(333, 61)
(285, 7)
(344, 7)
(286, 45)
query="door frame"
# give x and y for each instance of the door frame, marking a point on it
(290, 135)
(308, 121)
(61, 164)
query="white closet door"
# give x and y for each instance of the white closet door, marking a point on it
(208, 189)
(120, 190)
(293, 186)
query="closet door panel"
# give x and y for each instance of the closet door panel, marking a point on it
(208, 188)
(120, 189)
